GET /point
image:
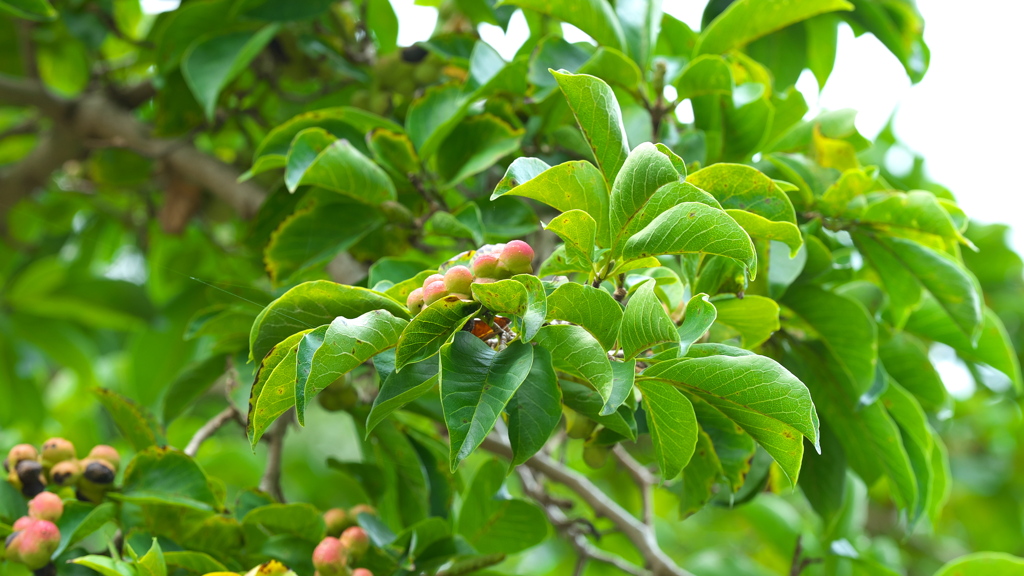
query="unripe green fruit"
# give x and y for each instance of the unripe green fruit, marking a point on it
(337, 520)
(578, 426)
(356, 541)
(516, 258)
(46, 506)
(339, 395)
(330, 557)
(12, 545)
(109, 454)
(458, 279)
(595, 456)
(415, 301)
(37, 543)
(57, 450)
(66, 473)
(380, 102)
(485, 266)
(361, 98)
(434, 292)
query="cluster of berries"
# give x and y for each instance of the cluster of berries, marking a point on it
(490, 263)
(345, 543)
(30, 470)
(35, 537)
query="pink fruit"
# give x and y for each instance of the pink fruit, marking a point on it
(415, 301)
(458, 279)
(517, 258)
(12, 546)
(433, 278)
(330, 557)
(485, 265)
(336, 520)
(106, 453)
(434, 292)
(361, 572)
(23, 523)
(37, 543)
(46, 506)
(356, 540)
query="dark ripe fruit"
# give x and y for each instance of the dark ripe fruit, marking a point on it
(46, 506)
(336, 520)
(98, 471)
(485, 266)
(37, 543)
(434, 292)
(516, 258)
(415, 301)
(330, 557)
(57, 450)
(339, 395)
(66, 473)
(458, 279)
(356, 540)
(595, 456)
(106, 453)
(30, 474)
(413, 54)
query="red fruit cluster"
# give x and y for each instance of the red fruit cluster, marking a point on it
(338, 519)
(490, 263)
(36, 537)
(332, 556)
(30, 470)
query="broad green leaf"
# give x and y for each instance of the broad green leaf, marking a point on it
(305, 149)
(135, 422)
(698, 317)
(983, 564)
(900, 28)
(747, 20)
(900, 213)
(393, 151)
(756, 393)
(190, 384)
(492, 522)
(691, 228)
(195, 562)
(210, 63)
(823, 478)
(276, 396)
(106, 565)
(744, 188)
(341, 121)
(407, 481)
(707, 74)
(38, 10)
(399, 388)
(503, 296)
(476, 384)
(269, 363)
(759, 227)
(152, 563)
(575, 351)
(431, 328)
(734, 448)
(475, 145)
(756, 318)
(598, 115)
(612, 66)
(901, 286)
(852, 184)
(574, 185)
(578, 231)
(645, 323)
(301, 520)
(672, 423)
(641, 22)
(844, 326)
(942, 479)
(699, 477)
(917, 439)
(63, 62)
(905, 359)
(345, 344)
(592, 308)
(558, 264)
(822, 38)
(81, 520)
(343, 169)
(313, 304)
(535, 409)
(164, 476)
(536, 310)
(587, 401)
(668, 196)
(645, 170)
(595, 17)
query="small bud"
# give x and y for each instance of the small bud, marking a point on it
(330, 557)
(485, 265)
(57, 450)
(516, 258)
(336, 520)
(415, 301)
(106, 453)
(66, 473)
(46, 506)
(356, 540)
(30, 475)
(434, 292)
(458, 279)
(37, 543)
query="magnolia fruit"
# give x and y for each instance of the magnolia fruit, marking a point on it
(108, 454)
(485, 265)
(415, 301)
(336, 520)
(23, 523)
(46, 506)
(37, 543)
(516, 258)
(98, 471)
(434, 291)
(358, 509)
(66, 473)
(361, 572)
(12, 545)
(356, 541)
(56, 450)
(595, 456)
(330, 557)
(578, 426)
(28, 476)
(458, 279)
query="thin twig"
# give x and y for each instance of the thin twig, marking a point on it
(210, 428)
(644, 479)
(271, 480)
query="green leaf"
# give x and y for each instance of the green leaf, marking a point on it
(909, 213)
(303, 152)
(64, 63)
(535, 409)
(645, 170)
(707, 74)
(905, 359)
(762, 228)
(399, 388)
(503, 296)
(673, 426)
(492, 522)
(901, 286)
(301, 520)
(393, 151)
(698, 317)
(270, 362)
(852, 184)
(983, 564)
(733, 447)
(407, 482)
(535, 313)
(476, 384)
(341, 122)
(699, 477)
(917, 439)
(277, 394)
(744, 188)
(598, 115)
(822, 39)
(668, 196)
(592, 308)
(844, 326)
(341, 168)
(163, 476)
(313, 304)
(38, 10)
(645, 323)
(574, 185)
(691, 228)
(194, 380)
(585, 400)
(747, 20)
(595, 17)
(431, 328)
(756, 318)
(195, 562)
(106, 565)
(475, 145)
(344, 345)
(641, 22)
(756, 393)
(81, 520)
(212, 62)
(135, 422)
(152, 563)
(578, 231)
(575, 351)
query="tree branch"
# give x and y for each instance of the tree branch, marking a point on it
(271, 480)
(54, 149)
(643, 478)
(210, 428)
(641, 535)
